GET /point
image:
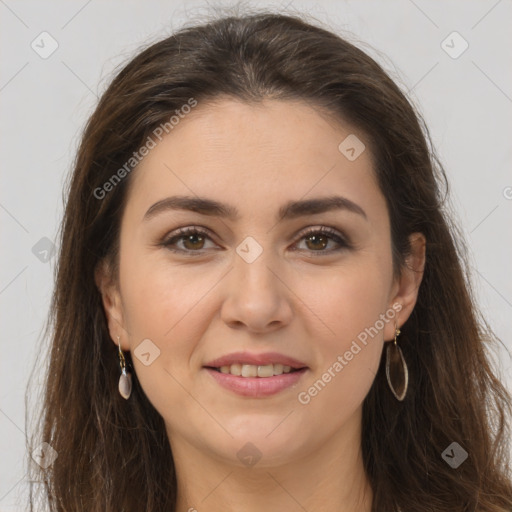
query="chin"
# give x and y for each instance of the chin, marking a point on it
(272, 444)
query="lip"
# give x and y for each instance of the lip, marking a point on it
(256, 387)
(256, 359)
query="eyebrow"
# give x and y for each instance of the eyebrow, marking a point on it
(290, 210)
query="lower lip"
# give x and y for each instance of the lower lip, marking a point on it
(257, 387)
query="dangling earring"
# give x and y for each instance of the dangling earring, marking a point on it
(396, 369)
(125, 380)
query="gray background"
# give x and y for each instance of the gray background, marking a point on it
(466, 101)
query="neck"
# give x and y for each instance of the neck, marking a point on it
(330, 478)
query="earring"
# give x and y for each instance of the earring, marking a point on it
(125, 380)
(396, 369)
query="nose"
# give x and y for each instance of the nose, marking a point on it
(257, 296)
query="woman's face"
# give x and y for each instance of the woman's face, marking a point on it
(254, 286)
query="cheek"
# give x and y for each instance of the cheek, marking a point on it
(347, 299)
(168, 305)
(158, 295)
(350, 334)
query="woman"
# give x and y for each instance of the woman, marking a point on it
(261, 303)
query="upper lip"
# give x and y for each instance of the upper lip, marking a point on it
(256, 359)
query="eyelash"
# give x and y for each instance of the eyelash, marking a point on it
(196, 230)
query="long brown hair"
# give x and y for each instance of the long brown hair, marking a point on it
(114, 455)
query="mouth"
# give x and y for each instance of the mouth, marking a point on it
(256, 375)
(256, 381)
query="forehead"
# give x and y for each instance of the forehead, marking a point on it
(255, 153)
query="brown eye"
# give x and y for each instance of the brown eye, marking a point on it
(188, 240)
(315, 242)
(193, 242)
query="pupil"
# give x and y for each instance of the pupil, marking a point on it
(192, 239)
(316, 239)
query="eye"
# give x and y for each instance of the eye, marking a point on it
(193, 240)
(317, 239)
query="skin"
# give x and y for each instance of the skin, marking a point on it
(298, 302)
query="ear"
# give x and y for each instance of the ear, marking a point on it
(111, 298)
(405, 288)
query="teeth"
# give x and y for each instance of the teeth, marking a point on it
(278, 369)
(266, 371)
(251, 370)
(235, 369)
